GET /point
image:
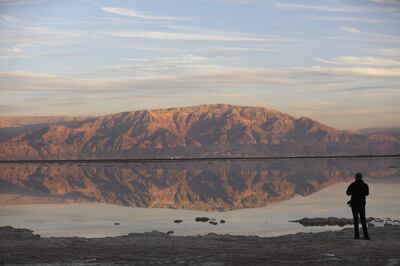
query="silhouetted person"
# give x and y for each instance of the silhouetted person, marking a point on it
(358, 190)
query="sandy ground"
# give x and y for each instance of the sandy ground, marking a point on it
(20, 246)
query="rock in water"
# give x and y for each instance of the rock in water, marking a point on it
(202, 219)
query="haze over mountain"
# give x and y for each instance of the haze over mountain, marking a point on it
(392, 131)
(205, 130)
(13, 125)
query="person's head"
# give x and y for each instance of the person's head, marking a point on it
(358, 176)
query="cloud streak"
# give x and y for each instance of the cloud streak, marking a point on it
(326, 8)
(385, 2)
(352, 60)
(391, 52)
(335, 8)
(183, 36)
(377, 36)
(140, 15)
(23, 36)
(354, 71)
(138, 77)
(18, 2)
(186, 73)
(340, 18)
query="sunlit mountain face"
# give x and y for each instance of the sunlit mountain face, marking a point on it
(204, 130)
(210, 186)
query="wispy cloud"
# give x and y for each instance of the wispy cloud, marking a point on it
(351, 30)
(150, 77)
(394, 2)
(353, 19)
(184, 36)
(12, 52)
(137, 14)
(27, 75)
(352, 60)
(34, 30)
(335, 8)
(22, 33)
(392, 52)
(181, 59)
(327, 8)
(237, 2)
(354, 71)
(18, 2)
(369, 88)
(370, 34)
(230, 51)
(173, 74)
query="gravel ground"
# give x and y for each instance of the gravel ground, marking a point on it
(21, 246)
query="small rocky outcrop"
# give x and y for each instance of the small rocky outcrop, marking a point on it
(8, 232)
(153, 233)
(330, 221)
(178, 221)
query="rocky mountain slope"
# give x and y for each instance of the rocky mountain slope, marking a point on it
(205, 130)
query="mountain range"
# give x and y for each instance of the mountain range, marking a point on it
(204, 130)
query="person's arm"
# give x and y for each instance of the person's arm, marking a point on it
(349, 190)
(366, 190)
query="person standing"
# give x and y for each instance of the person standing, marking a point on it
(358, 190)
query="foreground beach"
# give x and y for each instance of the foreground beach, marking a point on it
(21, 246)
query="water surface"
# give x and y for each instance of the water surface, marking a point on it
(258, 197)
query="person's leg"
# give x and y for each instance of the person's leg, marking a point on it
(355, 220)
(363, 221)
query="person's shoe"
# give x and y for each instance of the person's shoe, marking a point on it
(356, 237)
(367, 238)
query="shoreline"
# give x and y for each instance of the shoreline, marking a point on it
(196, 159)
(21, 246)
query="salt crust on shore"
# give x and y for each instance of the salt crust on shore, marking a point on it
(21, 246)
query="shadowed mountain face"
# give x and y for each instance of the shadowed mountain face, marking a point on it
(198, 186)
(206, 130)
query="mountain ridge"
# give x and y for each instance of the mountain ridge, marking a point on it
(201, 130)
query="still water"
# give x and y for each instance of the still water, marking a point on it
(253, 197)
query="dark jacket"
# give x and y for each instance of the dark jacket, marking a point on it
(358, 191)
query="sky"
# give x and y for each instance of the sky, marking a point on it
(334, 61)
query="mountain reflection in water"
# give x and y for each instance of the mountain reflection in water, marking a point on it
(210, 186)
